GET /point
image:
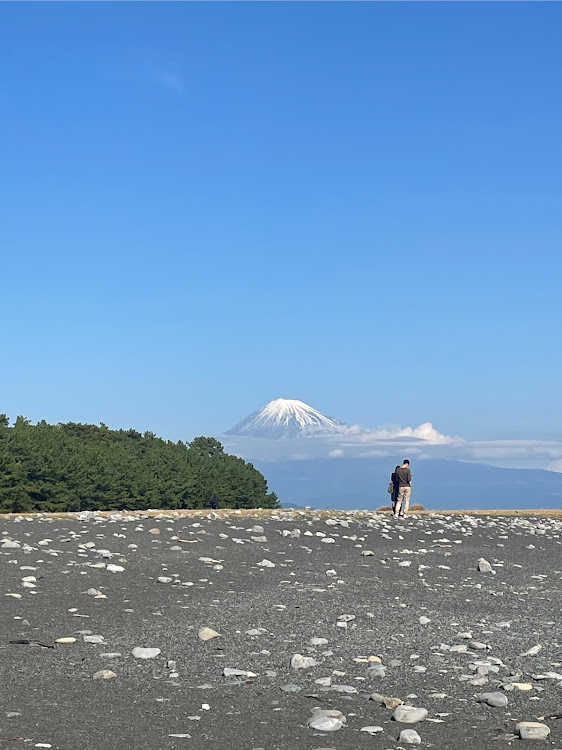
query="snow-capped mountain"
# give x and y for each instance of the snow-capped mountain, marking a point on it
(287, 418)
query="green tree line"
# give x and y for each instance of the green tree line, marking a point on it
(73, 467)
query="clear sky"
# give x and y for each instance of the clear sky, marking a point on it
(206, 206)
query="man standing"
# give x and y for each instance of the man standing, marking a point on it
(404, 476)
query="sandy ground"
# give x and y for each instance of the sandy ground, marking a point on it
(363, 605)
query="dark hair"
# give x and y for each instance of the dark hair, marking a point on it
(406, 461)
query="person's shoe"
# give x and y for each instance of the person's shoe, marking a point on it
(402, 515)
(395, 515)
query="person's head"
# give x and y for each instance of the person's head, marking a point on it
(405, 462)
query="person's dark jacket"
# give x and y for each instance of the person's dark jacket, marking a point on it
(394, 495)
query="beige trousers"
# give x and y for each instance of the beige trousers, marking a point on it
(403, 500)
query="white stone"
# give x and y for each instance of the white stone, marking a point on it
(115, 568)
(145, 653)
(532, 730)
(298, 661)
(409, 737)
(326, 724)
(230, 672)
(409, 714)
(205, 634)
(104, 674)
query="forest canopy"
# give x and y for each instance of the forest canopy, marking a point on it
(74, 467)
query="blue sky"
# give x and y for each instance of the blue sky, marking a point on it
(210, 205)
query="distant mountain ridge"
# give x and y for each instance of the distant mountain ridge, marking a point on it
(437, 484)
(287, 418)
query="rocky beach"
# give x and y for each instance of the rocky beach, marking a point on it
(280, 629)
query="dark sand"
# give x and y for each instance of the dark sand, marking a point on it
(54, 700)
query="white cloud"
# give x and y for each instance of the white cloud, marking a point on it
(425, 432)
(336, 453)
(422, 442)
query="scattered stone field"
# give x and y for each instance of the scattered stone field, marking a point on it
(281, 629)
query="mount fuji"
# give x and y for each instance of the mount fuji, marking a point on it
(287, 418)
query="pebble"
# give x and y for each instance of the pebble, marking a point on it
(409, 737)
(104, 674)
(371, 729)
(409, 714)
(532, 730)
(318, 641)
(291, 688)
(206, 634)
(298, 661)
(114, 568)
(230, 672)
(145, 653)
(326, 720)
(497, 700)
(93, 639)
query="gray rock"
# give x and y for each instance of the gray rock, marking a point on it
(326, 720)
(94, 639)
(497, 700)
(298, 661)
(349, 689)
(409, 714)
(230, 672)
(325, 724)
(409, 737)
(291, 688)
(318, 641)
(532, 730)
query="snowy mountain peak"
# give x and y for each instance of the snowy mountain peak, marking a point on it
(287, 418)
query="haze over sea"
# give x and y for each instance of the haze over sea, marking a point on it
(209, 206)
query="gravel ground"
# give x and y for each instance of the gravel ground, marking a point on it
(360, 581)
